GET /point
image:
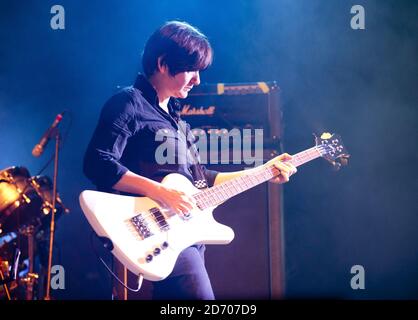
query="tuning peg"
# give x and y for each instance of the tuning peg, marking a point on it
(344, 160)
(326, 135)
(336, 165)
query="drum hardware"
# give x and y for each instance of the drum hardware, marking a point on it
(31, 277)
(26, 206)
(6, 277)
(4, 272)
(29, 280)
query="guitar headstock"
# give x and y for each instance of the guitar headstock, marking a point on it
(332, 149)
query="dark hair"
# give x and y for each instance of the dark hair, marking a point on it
(181, 47)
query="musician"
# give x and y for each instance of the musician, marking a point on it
(121, 156)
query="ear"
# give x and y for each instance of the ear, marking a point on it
(161, 66)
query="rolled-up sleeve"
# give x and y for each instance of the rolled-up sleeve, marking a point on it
(116, 125)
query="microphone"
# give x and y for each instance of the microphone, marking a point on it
(39, 148)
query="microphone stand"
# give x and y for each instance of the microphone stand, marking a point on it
(57, 137)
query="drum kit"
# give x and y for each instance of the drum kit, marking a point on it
(26, 204)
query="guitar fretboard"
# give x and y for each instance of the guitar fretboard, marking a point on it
(217, 194)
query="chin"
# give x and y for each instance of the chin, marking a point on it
(182, 95)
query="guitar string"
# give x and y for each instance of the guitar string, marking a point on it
(210, 197)
(217, 194)
(220, 193)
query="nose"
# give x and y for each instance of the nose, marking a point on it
(196, 78)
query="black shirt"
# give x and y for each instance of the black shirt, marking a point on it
(135, 134)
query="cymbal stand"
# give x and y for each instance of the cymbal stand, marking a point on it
(3, 282)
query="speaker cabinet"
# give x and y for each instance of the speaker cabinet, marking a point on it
(251, 266)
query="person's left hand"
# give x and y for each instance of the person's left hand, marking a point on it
(282, 167)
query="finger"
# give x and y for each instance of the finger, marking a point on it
(188, 202)
(291, 169)
(283, 168)
(184, 196)
(185, 212)
(285, 157)
(284, 178)
(294, 170)
(281, 175)
(180, 210)
(186, 205)
(191, 200)
(276, 171)
(176, 210)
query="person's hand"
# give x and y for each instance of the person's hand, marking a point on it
(177, 201)
(283, 169)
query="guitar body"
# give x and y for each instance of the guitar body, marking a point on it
(146, 237)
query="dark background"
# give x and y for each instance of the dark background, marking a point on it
(360, 83)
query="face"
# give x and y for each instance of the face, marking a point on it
(182, 83)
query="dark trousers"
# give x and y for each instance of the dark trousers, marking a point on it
(189, 279)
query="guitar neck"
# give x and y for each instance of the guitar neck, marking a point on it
(220, 193)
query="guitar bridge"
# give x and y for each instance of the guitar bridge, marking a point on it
(141, 226)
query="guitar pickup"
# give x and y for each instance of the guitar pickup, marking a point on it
(160, 219)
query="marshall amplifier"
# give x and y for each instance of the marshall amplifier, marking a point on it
(251, 110)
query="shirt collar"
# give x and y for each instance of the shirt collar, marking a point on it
(149, 93)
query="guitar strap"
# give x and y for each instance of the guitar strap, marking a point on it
(195, 166)
(193, 158)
